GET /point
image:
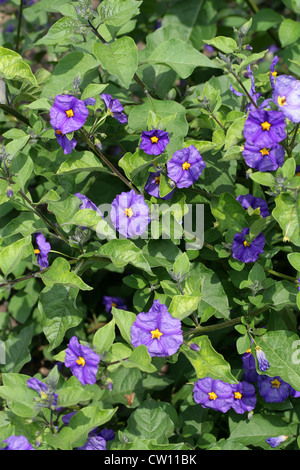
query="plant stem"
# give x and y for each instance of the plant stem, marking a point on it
(13, 112)
(100, 155)
(19, 24)
(294, 137)
(283, 276)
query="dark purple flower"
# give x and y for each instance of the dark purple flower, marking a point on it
(154, 142)
(249, 366)
(244, 398)
(68, 113)
(66, 418)
(185, 166)
(48, 396)
(273, 73)
(107, 434)
(157, 330)
(83, 361)
(273, 389)
(42, 251)
(18, 443)
(194, 347)
(297, 172)
(10, 192)
(263, 158)
(94, 443)
(110, 302)
(255, 202)
(66, 144)
(263, 363)
(152, 186)
(213, 394)
(130, 214)
(114, 108)
(90, 102)
(275, 441)
(264, 128)
(286, 96)
(208, 50)
(245, 251)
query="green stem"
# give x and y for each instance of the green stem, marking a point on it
(19, 24)
(294, 137)
(283, 276)
(13, 112)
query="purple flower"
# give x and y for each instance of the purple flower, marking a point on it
(275, 441)
(255, 202)
(83, 361)
(249, 366)
(68, 113)
(297, 172)
(208, 50)
(66, 144)
(244, 398)
(213, 394)
(154, 142)
(272, 70)
(66, 418)
(10, 192)
(48, 396)
(264, 128)
(18, 443)
(194, 347)
(130, 214)
(94, 443)
(42, 251)
(157, 330)
(264, 158)
(152, 186)
(263, 363)
(185, 166)
(245, 251)
(286, 96)
(294, 393)
(273, 389)
(110, 302)
(114, 108)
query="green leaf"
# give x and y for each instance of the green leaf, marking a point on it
(141, 359)
(119, 58)
(149, 421)
(124, 320)
(208, 362)
(104, 337)
(182, 306)
(81, 161)
(59, 273)
(223, 43)
(181, 266)
(229, 213)
(179, 56)
(287, 214)
(289, 32)
(61, 32)
(118, 12)
(13, 67)
(17, 349)
(282, 351)
(123, 252)
(294, 259)
(59, 312)
(12, 254)
(18, 395)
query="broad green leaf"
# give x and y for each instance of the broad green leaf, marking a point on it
(17, 349)
(118, 12)
(18, 395)
(289, 32)
(287, 214)
(294, 259)
(119, 58)
(59, 312)
(140, 359)
(59, 273)
(229, 213)
(104, 337)
(208, 362)
(124, 320)
(61, 32)
(123, 252)
(13, 67)
(223, 43)
(12, 254)
(182, 306)
(81, 161)
(282, 351)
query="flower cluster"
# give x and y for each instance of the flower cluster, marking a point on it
(222, 396)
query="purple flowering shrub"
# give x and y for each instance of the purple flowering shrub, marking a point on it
(149, 225)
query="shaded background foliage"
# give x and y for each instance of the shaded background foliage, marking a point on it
(164, 65)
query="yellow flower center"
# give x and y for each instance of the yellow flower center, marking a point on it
(186, 166)
(212, 395)
(246, 243)
(264, 152)
(274, 74)
(156, 333)
(281, 100)
(81, 361)
(128, 212)
(237, 395)
(298, 173)
(157, 179)
(44, 395)
(275, 383)
(37, 251)
(154, 139)
(58, 132)
(69, 113)
(249, 351)
(266, 125)
(113, 304)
